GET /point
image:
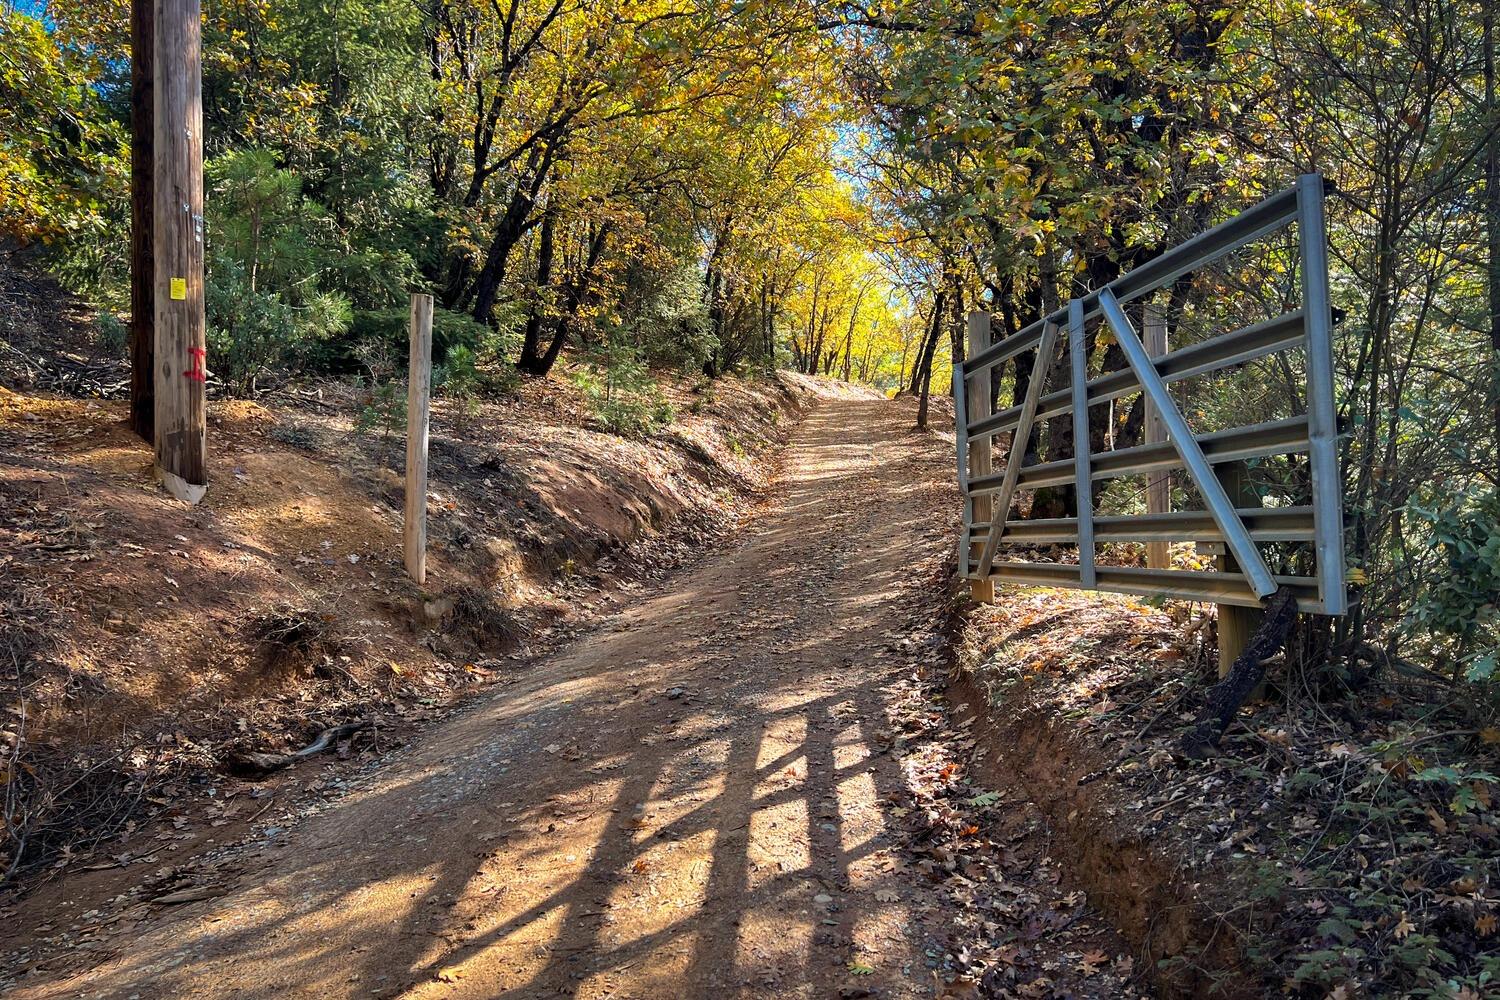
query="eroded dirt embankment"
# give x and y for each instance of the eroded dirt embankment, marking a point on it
(1189, 951)
(1341, 842)
(1063, 691)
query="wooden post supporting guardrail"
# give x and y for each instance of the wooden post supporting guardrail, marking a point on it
(418, 401)
(180, 351)
(1236, 623)
(1158, 493)
(977, 396)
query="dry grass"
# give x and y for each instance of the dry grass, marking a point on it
(478, 614)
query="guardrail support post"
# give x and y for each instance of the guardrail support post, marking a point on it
(1158, 484)
(980, 456)
(1236, 624)
(1083, 482)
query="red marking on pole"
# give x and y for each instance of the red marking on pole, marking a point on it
(198, 372)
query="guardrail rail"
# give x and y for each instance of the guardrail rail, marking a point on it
(989, 523)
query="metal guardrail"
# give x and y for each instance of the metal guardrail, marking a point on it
(1240, 530)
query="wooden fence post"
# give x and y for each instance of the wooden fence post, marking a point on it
(1158, 485)
(142, 207)
(979, 406)
(181, 352)
(418, 400)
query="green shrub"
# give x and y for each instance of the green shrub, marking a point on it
(296, 435)
(672, 323)
(1458, 604)
(461, 380)
(252, 331)
(111, 335)
(265, 305)
(392, 328)
(620, 392)
(383, 410)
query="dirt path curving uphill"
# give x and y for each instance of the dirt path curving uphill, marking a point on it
(696, 801)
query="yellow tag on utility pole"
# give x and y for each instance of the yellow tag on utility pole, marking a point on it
(179, 289)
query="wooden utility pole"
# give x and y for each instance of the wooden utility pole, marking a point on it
(978, 403)
(418, 400)
(142, 280)
(1158, 485)
(181, 352)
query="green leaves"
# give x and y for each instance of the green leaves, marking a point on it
(63, 160)
(1460, 599)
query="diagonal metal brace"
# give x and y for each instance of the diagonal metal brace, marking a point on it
(1018, 448)
(1181, 435)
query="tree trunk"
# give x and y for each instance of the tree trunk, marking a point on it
(1492, 220)
(849, 335)
(512, 226)
(531, 344)
(508, 233)
(142, 201)
(923, 377)
(575, 295)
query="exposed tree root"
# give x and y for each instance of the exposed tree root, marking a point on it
(1226, 697)
(265, 763)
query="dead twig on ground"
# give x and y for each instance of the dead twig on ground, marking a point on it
(265, 763)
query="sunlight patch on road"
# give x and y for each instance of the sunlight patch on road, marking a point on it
(778, 832)
(857, 829)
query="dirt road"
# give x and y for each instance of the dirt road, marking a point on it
(693, 802)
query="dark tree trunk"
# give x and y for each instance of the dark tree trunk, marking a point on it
(1058, 501)
(531, 344)
(933, 322)
(576, 293)
(508, 233)
(142, 207)
(513, 225)
(923, 377)
(1492, 219)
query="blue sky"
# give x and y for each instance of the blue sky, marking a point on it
(34, 8)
